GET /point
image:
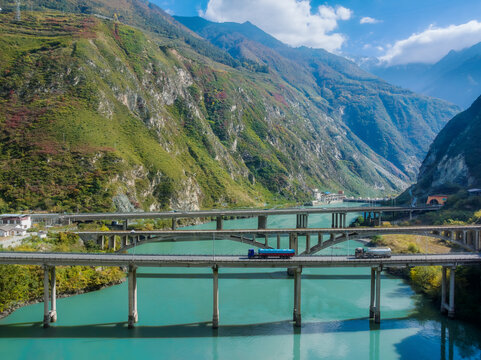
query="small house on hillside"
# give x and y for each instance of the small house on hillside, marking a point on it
(437, 199)
(24, 221)
(12, 230)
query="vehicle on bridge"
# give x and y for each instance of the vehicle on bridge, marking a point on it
(362, 253)
(271, 253)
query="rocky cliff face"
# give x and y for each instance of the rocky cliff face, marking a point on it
(454, 156)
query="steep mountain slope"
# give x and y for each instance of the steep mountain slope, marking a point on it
(454, 156)
(96, 115)
(397, 124)
(455, 78)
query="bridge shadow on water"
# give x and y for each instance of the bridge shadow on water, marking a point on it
(195, 330)
(257, 275)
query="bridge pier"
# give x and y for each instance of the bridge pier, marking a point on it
(49, 315)
(294, 243)
(262, 222)
(477, 245)
(126, 224)
(278, 241)
(297, 297)
(375, 304)
(308, 243)
(302, 221)
(215, 315)
(448, 307)
(132, 278)
(319, 238)
(174, 223)
(219, 222)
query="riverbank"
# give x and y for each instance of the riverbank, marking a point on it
(11, 309)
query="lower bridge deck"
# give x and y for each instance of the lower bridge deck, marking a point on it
(131, 261)
(233, 261)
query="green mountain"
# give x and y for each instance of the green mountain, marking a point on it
(397, 124)
(453, 159)
(113, 105)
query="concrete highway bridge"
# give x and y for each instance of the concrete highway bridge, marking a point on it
(374, 213)
(49, 261)
(316, 239)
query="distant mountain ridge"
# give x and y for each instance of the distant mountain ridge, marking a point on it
(455, 78)
(397, 124)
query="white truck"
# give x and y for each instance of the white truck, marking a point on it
(362, 253)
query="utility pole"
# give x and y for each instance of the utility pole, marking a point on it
(18, 16)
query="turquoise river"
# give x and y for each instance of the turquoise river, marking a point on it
(175, 310)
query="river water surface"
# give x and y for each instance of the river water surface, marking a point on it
(175, 310)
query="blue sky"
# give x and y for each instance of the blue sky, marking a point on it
(397, 31)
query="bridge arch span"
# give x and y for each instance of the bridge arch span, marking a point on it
(464, 241)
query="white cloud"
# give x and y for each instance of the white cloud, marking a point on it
(433, 44)
(290, 21)
(369, 20)
(169, 11)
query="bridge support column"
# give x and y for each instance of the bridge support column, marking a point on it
(377, 313)
(308, 243)
(380, 218)
(301, 221)
(373, 288)
(133, 316)
(333, 222)
(102, 241)
(336, 222)
(124, 241)
(49, 313)
(410, 215)
(215, 315)
(448, 307)
(126, 224)
(319, 238)
(174, 223)
(297, 297)
(293, 242)
(278, 241)
(262, 222)
(53, 295)
(375, 304)
(46, 315)
(220, 222)
(465, 237)
(476, 241)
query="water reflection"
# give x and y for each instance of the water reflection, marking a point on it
(200, 329)
(374, 341)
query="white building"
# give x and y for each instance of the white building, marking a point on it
(24, 221)
(12, 230)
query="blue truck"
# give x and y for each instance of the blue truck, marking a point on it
(270, 253)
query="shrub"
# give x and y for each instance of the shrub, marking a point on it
(413, 248)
